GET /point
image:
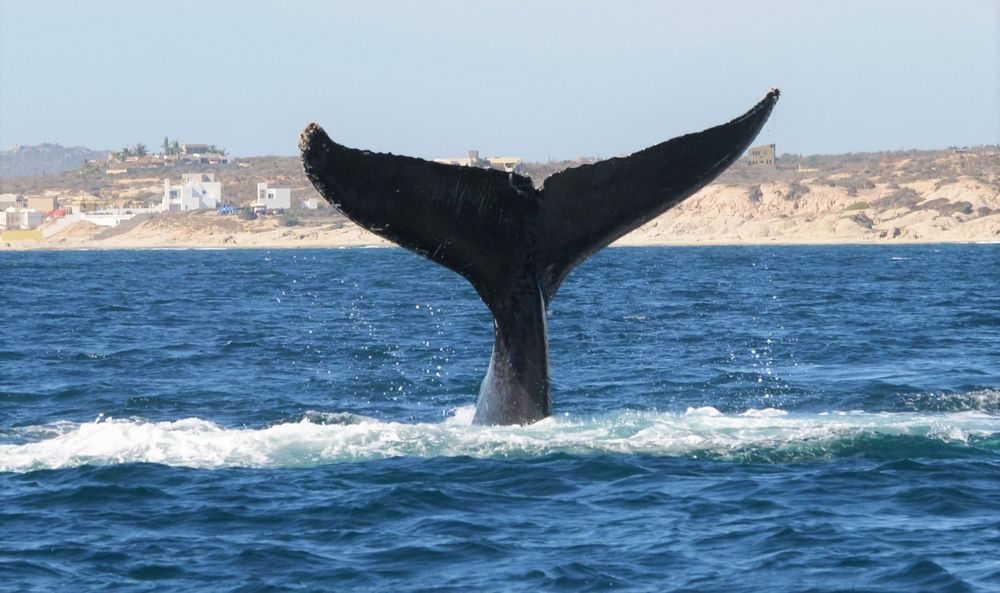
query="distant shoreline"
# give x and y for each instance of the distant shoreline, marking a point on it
(625, 243)
(938, 197)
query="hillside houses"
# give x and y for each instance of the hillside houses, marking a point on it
(49, 214)
(124, 162)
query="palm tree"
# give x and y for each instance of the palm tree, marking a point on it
(166, 146)
(139, 149)
(175, 146)
(124, 154)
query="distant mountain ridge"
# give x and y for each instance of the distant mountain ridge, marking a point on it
(45, 159)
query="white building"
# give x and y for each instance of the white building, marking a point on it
(275, 198)
(196, 191)
(20, 218)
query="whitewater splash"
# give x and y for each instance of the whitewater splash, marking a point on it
(323, 438)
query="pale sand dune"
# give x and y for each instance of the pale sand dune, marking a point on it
(727, 215)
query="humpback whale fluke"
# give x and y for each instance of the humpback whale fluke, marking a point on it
(513, 242)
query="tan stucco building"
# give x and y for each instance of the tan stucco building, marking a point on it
(761, 156)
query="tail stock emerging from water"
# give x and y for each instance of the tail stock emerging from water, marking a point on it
(513, 242)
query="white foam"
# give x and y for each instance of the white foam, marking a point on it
(765, 413)
(703, 411)
(321, 438)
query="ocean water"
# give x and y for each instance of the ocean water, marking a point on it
(726, 419)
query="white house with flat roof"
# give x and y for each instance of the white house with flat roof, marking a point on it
(196, 191)
(273, 198)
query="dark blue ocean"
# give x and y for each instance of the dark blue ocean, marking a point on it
(726, 419)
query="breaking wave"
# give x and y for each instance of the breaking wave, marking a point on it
(319, 438)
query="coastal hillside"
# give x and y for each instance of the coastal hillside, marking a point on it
(938, 210)
(45, 159)
(911, 196)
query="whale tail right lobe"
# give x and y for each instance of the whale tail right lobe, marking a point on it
(586, 208)
(515, 243)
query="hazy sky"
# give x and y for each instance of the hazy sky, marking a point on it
(537, 79)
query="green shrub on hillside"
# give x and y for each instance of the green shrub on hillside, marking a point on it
(942, 205)
(903, 197)
(863, 220)
(962, 207)
(854, 183)
(796, 190)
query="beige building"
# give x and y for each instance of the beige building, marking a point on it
(761, 156)
(42, 203)
(503, 163)
(194, 148)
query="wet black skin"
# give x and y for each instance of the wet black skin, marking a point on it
(513, 242)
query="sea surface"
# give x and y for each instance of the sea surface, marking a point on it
(726, 419)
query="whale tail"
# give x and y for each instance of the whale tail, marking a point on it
(516, 243)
